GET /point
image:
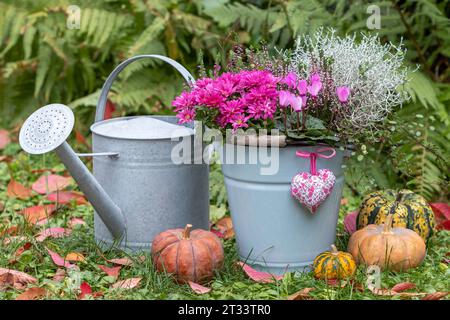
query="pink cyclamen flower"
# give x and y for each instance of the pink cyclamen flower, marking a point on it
(296, 103)
(284, 98)
(291, 80)
(315, 77)
(343, 93)
(302, 87)
(314, 88)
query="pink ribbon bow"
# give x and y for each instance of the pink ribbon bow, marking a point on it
(314, 155)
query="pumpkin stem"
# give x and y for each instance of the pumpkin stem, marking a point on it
(334, 250)
(187, 231)
(388, 223)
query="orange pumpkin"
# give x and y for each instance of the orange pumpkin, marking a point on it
(397, 249)
(187, 255)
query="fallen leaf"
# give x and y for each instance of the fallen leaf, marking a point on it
(225, 227)
(32, 294)
(85, 289)
(258, 276)
(36, 214)
(350, 222)
(127, 283)
(217, 233)
(19, 252)
(4, 138)
(17, 190)
(50, 183)
(8, 240)
(2, 207)
(301, 295)
(75, 257)
(110, 271)
(122, 261)
(442, 215)
(52, 233)
(199, 289)
(67, 197)
(403, 286)
(390, 293)
(9, 231)
(76, 221)
(58, 260)
(344, 201)
(60, 275)
(15, 279)
(435, 296)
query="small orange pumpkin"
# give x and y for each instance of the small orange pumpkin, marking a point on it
(397, 249)
(187, 255)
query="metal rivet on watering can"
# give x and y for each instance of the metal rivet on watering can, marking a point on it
(137, 191)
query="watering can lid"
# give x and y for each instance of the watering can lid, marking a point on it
(140, 128)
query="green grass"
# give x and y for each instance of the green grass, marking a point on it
(230, 283)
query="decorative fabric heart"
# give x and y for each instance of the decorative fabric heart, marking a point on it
(311, 190)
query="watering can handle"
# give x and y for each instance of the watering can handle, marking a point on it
(100, 112)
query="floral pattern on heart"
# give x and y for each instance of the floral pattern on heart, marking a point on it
(311, 190)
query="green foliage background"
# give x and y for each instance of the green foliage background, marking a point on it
(43, 61)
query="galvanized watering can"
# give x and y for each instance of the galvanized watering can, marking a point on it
(136, 189)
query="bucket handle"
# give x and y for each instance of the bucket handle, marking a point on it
(101, 105)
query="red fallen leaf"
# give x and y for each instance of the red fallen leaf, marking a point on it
(19, 252)
(435, 296)
(110, 271)
(17, 190)
(12, 231)
(43, 170)
(122, 261)
(52, 233)
(350, 222)
(4, 138)
(403, 286)
(58, 260)
(50, 183)
(32, 294)
(301, 295)
(60, 275)
(199, 289)
(15, 279)
(258, 276)
(127, 283)
(445, 225)
(74, 221)
(441, 210)
(37, 213)
(109, 109)
(85, 289)
(67, 197)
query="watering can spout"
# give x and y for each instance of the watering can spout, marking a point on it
(46, 130)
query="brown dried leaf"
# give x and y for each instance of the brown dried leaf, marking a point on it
(435, 296)
(127, 283)
(17, 190)
(32, 294)
(15, 279)
(403, 286)
(301, 295)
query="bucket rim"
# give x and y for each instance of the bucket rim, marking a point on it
(97, 124)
